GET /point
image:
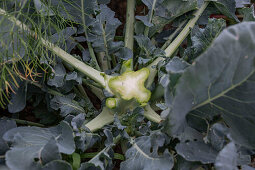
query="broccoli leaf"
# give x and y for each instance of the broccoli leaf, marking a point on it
(31, 145)
(140, 156)
(102, 31)
(222, 80)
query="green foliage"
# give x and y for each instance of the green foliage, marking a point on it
(96, 99)
(225, 76)
(144, 153)
(33, 143)
(202, 37)
(227, 7)
(227, 158)
(248, 13)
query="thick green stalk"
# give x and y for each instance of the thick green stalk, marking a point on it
(171, 37)
(129, 33)
(185, 32)
(104, 118)
(170, 50)
(153, 71)
(77, 64)
(151, 115)
(107, 116)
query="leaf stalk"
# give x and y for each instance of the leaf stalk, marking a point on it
(104, 118)
(77, 64)
(185, 32)
(129, 33)
(151, 115)
(170, 50)
(147, 29)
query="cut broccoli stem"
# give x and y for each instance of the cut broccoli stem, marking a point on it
(129, 92)
(130, 85)
(111, 103)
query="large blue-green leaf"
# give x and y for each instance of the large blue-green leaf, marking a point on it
(144, 155)
(246, 167)
(241, 3)
(227, 158)
(5, 125)
(197, 151)
(221, 80)
(227, 7)
(3, 167)
(172, 10)
(175, 68)
(202, 37)
(33, 143)
(71, 9)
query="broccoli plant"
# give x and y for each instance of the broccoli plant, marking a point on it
(172, 89)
